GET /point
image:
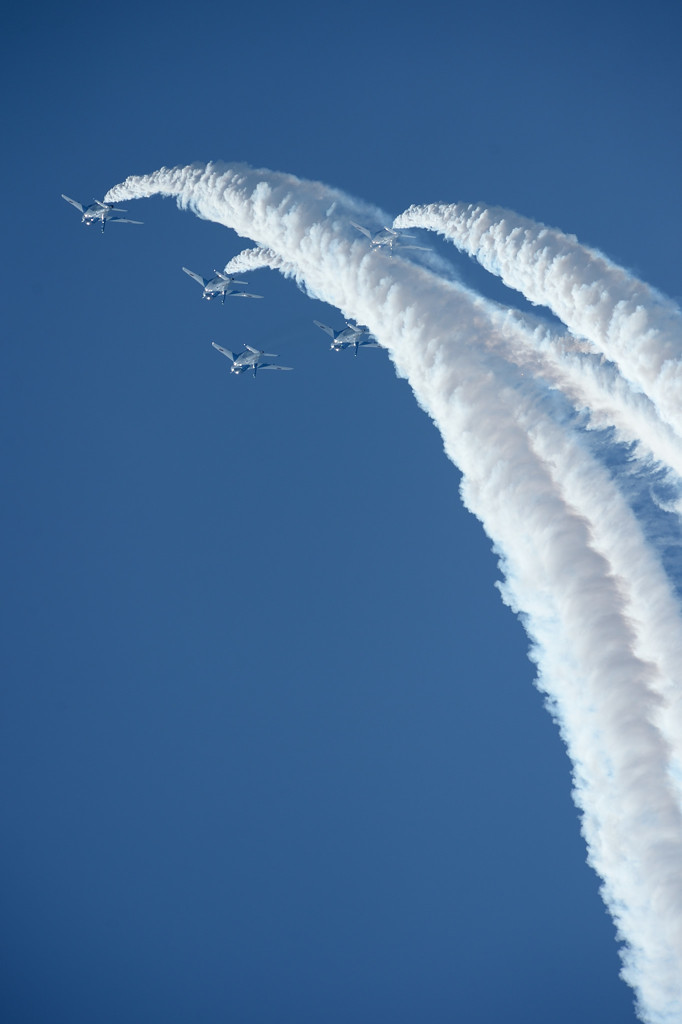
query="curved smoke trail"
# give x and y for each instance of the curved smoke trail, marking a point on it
(257, 258)
(598, 390)
(582, 557)
(632, 324)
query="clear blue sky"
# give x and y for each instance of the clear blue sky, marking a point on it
(271, 749)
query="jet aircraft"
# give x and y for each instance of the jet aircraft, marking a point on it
(250, 359)
(352, 336)
(221, 284)
(102, 212)
(387, 238)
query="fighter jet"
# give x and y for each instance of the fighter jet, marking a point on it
(221, 284)
(250, 359)
(352, 336)
(387, 238)
(102, 212)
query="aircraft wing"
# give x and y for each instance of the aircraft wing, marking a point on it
(197, 277)
(243, 295)
(326, 328)
(364, 231)
(79, 206)
(125, 220)
(273, 366)
(225, 351)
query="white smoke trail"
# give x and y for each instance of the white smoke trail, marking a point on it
(632, 324)
(595, 388)
(590, 385)
(584, 379)
(592, 591)
(255, 259)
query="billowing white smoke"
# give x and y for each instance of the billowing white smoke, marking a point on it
(256, 259)
(597, 389)
(581, 565)
(630, 323)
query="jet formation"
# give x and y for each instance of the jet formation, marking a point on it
(221, 285)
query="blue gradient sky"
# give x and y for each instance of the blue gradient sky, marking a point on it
(270, 746)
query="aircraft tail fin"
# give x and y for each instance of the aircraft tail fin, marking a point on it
(226, 277)
(259, 352)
